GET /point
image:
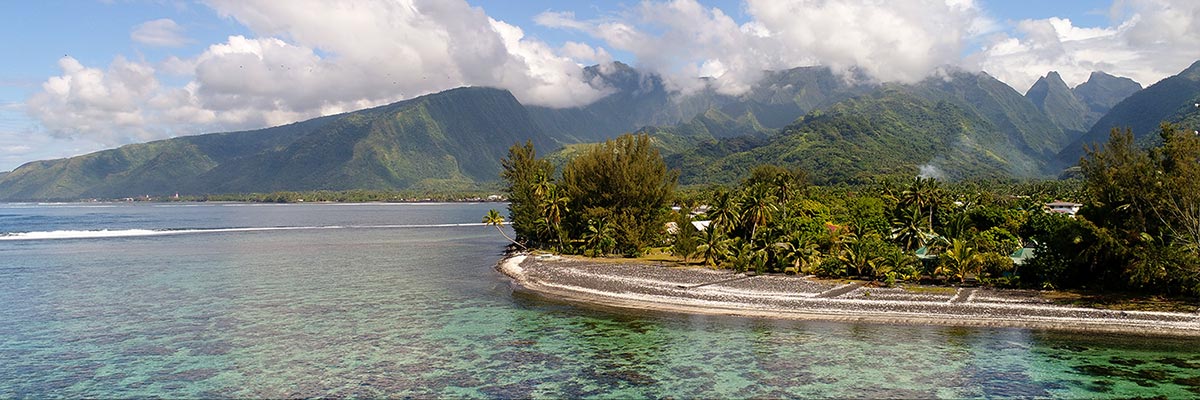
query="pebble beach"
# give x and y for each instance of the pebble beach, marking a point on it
(723, 292)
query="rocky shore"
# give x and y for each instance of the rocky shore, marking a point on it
(704, 291)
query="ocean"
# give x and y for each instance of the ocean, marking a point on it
(402, 300)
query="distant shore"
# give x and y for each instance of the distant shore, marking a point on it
(704, 291)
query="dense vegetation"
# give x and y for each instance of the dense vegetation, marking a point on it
(1139, 228)
(611, 198)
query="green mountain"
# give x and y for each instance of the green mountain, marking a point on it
(965, 124)
(450, 137)
(1101, 92)
(1172, 99)
(146, 168)
(1055, 99)
(642, 100)
(961, 125)
(457, 135)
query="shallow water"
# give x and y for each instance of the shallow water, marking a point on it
(372, 300)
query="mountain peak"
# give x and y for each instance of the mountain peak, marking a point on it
(1103, 91)
(1052, 81)
(1192, 72)
(1055, 99)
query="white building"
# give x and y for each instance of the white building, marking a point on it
(1064, 207)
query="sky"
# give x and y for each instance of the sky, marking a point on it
(85, 75)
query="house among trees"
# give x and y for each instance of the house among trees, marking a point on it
(1064, 207)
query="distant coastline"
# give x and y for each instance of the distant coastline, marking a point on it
(318, 196)
(703, 291)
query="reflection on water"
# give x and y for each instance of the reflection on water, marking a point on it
(420, 312)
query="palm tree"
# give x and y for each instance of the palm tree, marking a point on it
(724, 211)
(860, 254)
(757, 207)
(801, 254)
(598, 237)
(750, 257)
(554, 204)
(907, 229)
(494, 218)
(961, 259)
(922, 194)
(714, 246)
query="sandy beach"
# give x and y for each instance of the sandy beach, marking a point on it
(705, 291)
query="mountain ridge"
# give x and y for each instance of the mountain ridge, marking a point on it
(456, 137)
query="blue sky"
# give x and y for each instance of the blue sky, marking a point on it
(85, 75)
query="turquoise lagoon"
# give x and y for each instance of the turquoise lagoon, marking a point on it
(241, 300)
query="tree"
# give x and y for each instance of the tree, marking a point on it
(494, 218)
(960, 259)
(525, 178)
(801, 254)
(626, 181)
(724, 212)
(862, 254)
(907, 229)
(758, 205)
(684, 243)
(554, 204)
(922, 194)
(714, 246)
(598, 239)
(1145, 206)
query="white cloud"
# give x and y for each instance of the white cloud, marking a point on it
(308, 58)
(892, 41)
(1149, 40)
(160, 32)
(314, 57)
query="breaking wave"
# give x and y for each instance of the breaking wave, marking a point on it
(119, 233)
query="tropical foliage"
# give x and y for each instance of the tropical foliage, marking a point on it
(611, 197)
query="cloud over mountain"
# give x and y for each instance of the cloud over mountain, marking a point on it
(306, 58)
(1147, 41)
(901, 41)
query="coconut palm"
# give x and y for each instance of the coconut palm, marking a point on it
(494, 218)
(922, 194)
(724, 211)
(757, 208)
(907, 229)
(801, 254)
(749, 257)
(714, 246)
(554, 204)
(960, 259)
(599, 237)
(860, 254)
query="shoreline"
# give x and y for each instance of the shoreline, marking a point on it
(721, 292)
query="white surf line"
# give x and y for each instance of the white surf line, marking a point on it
(125, 233)
(971, 298)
